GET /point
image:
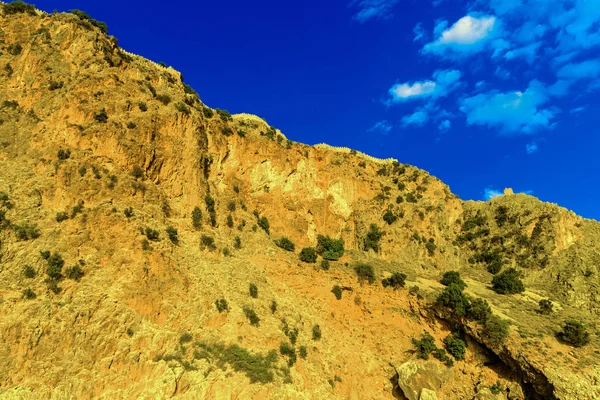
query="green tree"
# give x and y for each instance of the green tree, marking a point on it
(253, 290)
(372, 238)
(453, 298)
(495, 330)
(545, 307)
(425, 345)
(285, 244)
(451, 277)
(197, 217)
(574, 333)
(316, 332)
(337, 291)
(173, 234)
(455, 346)
(508, 282)
(308, 255)
(365, 272)
(330, 249)
(397, 280)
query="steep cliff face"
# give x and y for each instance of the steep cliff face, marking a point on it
(158, 206)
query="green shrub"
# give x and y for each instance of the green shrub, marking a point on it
(208, 113)
(285, 244)
(231, 206)
(574, 333)
(197, 217)
(453, 298)
(182, 108)
(74, 272)
(77, 209)
(273, 306)
(495, 330)
(222, 305)
(29, 272)
(325, 265)
(308, 255)
(62, 216)
(86, 17)
(508, 282)
(131, 125)
(208, 242)
(45, 254)
(263, 222)
(226, 252)
(18, 7)
(128, 212)
(9, 71)
(479, 310)
(101, 116)
(146, 245)
(424, 346)
(54, 85)
(451, 277)
(142, 106)
(237, 242)
(337, 291)
(185, 338)
(226, 131)
(546, 307)
(230, 221)
(29, 294)
(389, 216)
(225, 116)
(441, 355)
(316, 332)
(173, 234)
(397, 280)
(372, 238)
(26, 231)
(286, 350)
(497, 388)
(55, 265)
(330, 249)
(253, 290)
(303, 352)
(151, 234)
(258, 368)
(455, 346)
(365, 272)
(431, 247)
(15, 49)
(252, 317)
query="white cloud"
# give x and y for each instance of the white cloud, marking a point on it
(502, 73)
(531, 148)
(468, 35)
(490, 193)
(444, 82)
(512, 112)
(578, 110)
(382, 127)
(373, 9)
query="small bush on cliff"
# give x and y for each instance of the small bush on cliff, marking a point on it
(495, 330)
(15, 49)
(479, 310)
(164, 98)
(55, 265)
(425, 346)
(337, 291)
(316, 332)
(455, 346)
(101, 116)
(574, 333)
(253, 289)
(453, 298)
(365, 272)
(74, 272)
(389, 217)
(263, 222)
(325, 265)
(29, 272)
(86, 17)
(372, 238)
(26, 231)
(285, 244)
(173, 234)
(151, 234)
(29, 294)
(208, 242)
(330, 249)
(308, 255)
(252, 317)
(397, 280)
(62, 216)
(222, 305)
(508, 282)
(197, 217)
(545, 307)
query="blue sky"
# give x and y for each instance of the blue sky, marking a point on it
(484, 94)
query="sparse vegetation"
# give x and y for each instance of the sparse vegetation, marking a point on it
(29, 294)
(128, 212)
(74, 272)
(365, 272)
(142, 106)
(208, 242)
(173, 234)
(15, 49)
(197, 217)
(425, 346)
(26, 231)
(222, 305)
(337, 291)
(229, 221)
(55, 265)
(62, 216)
(165, 99)
(29, 272)
(237, 242)
(273, 306)
(453, 298)
(151, 234)
(18, 7)
(263, 222)
(325, 265)
(86, 17)
(495, 330)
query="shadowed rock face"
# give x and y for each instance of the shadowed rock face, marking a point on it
(104, 157)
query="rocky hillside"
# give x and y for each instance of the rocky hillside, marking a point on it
(154, 247)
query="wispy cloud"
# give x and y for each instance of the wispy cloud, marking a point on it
(444, 81)
(445, 126)
(468, 35)
(373, 9)
(419, 32)
(531, 148)
(512, 112)
(418, 118)
(578, 110)
(585, 69)
(383, 127)
(490, 193)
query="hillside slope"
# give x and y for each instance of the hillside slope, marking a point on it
(130, 210)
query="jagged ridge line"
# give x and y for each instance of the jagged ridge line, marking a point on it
(348, 150)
